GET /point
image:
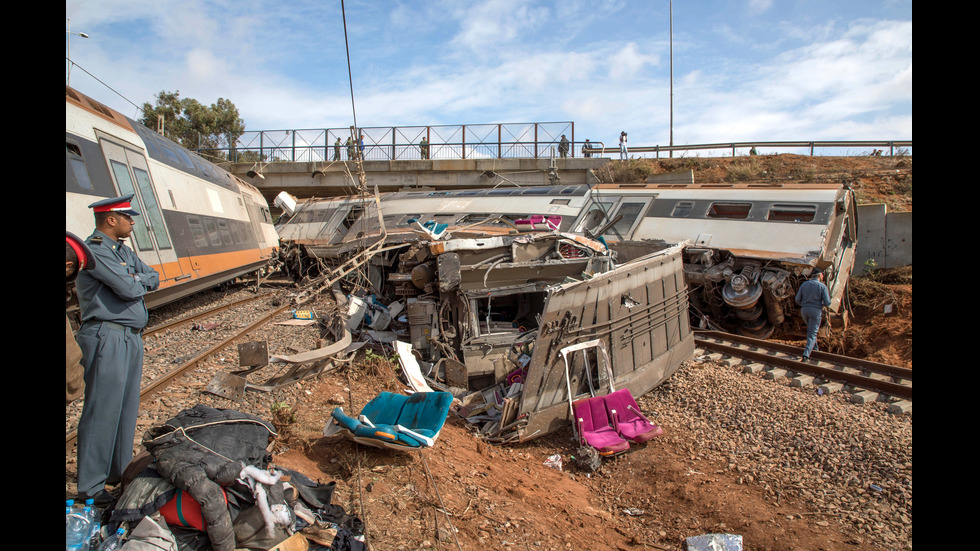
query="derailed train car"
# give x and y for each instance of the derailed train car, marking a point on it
(499, 283)
(748, 246)
(199, 226)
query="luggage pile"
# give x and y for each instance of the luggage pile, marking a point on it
(205, 482)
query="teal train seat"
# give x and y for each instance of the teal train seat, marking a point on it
(395, 421)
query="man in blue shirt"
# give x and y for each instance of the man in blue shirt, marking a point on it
(113, 315)
(812, 297)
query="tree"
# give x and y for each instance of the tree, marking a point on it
(191, 124)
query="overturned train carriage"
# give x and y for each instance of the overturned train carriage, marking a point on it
(748, 246)
(498, 311)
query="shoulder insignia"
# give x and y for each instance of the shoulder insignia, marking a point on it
(95, 240)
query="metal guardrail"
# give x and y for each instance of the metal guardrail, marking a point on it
(781, 146)
(480, 141)
(473, 141)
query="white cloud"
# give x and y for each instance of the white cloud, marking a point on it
(628, 62)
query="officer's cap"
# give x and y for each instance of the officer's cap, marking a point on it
(115, 204)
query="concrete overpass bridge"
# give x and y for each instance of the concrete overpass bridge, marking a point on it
(327, 179)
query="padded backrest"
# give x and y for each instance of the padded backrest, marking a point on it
(621, 400)
(425, 410)
(385, 408)
(592, 412)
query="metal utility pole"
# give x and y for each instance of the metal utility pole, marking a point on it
(83, 35)
(671, 14)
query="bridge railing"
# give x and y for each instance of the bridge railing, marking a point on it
(830, 147)
(493, 141)
(479, 141)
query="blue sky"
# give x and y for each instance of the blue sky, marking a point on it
(742, 70)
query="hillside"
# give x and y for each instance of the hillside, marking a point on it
(875, 179)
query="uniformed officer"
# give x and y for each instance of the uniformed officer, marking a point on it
(113, 314)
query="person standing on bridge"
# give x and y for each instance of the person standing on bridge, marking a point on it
(336, 149)
(585, 149)
(113, 315)
(424, 147)
(812, 297)
(563, 147)
(623, 153)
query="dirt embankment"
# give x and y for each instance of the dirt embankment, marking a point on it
(874, 179)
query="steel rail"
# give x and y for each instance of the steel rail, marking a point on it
(162, 382)
(190, 318)
(755, 349)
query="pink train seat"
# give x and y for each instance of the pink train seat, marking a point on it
(632, 425)
(595, 428)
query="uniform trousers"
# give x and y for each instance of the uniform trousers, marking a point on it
(113, 359)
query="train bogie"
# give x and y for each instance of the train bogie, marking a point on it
(200, 226)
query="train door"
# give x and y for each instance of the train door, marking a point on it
(602, 210)
(256, 217)
(131, 174)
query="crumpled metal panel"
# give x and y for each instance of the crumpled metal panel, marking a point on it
(639, 310)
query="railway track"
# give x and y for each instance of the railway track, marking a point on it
(865, 380)
(247, 317)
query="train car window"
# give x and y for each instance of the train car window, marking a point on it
(213, 236)
(353, 215)
(596, 216)
(154, 217)
(141, 235)
(197, 231)
(682, 209)
(77, 164)
(732, 211)
(225, 233)
(792, 213)
(560, 201)
(150, 143)
(169, 153)
(187, 162)
(629, 211)
(546, 190)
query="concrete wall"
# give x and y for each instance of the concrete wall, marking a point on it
(884, 237)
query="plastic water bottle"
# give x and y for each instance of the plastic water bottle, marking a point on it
(76, 528)
(113, 542)
(95, 524)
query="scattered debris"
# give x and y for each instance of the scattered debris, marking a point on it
(714, 542)
(553, 461)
